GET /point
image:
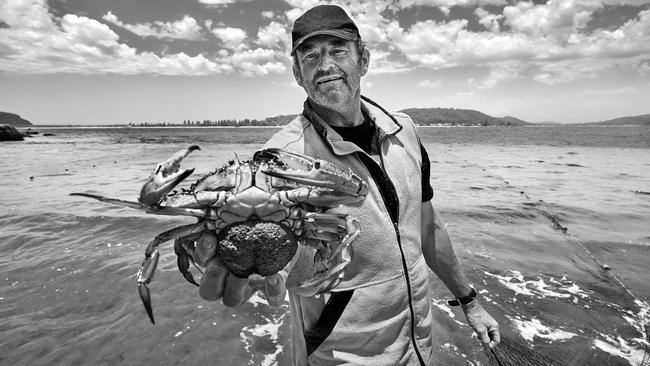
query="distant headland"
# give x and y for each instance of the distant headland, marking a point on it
(12, 119)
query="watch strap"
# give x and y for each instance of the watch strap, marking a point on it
(463, 300)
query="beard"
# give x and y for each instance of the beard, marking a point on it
(335, 95)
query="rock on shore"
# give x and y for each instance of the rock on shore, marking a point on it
(9, 133)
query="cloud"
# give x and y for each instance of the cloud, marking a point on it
(450, 3)
(498, 73)
(186, 28)
(427, 42)
(259, 61)
(303, 4)
(36, 42)
(548, 43)
(382, 62)
(216, 2)
(273, 35)
(232, 38)
(293, 14)
(446, 5)
(426, 83)
(557, 19)
(488, 20)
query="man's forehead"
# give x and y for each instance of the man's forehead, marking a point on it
(323, 39)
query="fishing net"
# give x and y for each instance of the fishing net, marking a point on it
(510, 352)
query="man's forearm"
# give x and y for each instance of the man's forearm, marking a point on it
(440, 255)
(441, 258)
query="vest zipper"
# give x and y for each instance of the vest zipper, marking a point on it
(401, 250)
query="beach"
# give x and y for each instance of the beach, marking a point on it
(550, 223)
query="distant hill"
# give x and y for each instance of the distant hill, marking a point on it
(279, 120)
(13, 120)
(434, 116)
(458, 117)
(513, 121)
(642, 120)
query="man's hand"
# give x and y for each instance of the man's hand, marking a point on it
(218, 282)
(483, 324)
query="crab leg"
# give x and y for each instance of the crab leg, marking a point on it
(333, 261)
(165, 177)
(328, 227)
(317, 196)
(151, 256)
(184, 259)
(153, 209)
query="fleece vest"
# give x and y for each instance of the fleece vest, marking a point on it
(390, 307)
(376, 253)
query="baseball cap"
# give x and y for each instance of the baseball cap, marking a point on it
(323, 19)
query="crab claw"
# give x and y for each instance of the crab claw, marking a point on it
(311, 171)
(165, 177)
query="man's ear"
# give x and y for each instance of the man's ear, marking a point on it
(365, 61)
(297, 74)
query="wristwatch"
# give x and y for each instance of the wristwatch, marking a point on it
(463, 300)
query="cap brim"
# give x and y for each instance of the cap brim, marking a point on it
(344, 34)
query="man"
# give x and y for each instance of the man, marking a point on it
(379, 312)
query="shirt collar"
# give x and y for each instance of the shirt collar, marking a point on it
(383, 121)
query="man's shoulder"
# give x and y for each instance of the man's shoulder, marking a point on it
(405, 121)
(402, 117)
(291, 135)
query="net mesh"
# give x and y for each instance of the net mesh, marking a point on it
(510, 352)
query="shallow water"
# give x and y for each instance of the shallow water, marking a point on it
(534, 213)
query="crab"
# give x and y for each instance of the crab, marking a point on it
(253, 215)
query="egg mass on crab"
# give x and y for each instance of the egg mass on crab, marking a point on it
(260, 210)
(262, 247)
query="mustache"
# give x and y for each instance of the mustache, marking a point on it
(324, 74)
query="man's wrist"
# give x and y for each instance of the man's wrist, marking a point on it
(464, 300)
(474, 304)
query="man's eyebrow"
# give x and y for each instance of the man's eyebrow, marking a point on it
(306, 47)
(339, 42)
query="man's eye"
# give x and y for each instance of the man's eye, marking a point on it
(338, 52)
(309, 56)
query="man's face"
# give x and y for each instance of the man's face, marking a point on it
(330, 70)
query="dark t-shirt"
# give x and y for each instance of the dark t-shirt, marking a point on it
(363, 135)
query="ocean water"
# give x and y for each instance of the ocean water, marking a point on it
(550, 223)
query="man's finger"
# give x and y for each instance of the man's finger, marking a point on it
(276, 289)
(495, 335)
(257, 282)
(483, 334)
(206, 248)
(213, 281)
(237, 290)
(272, 286)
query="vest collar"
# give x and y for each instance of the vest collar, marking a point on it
(385, 125)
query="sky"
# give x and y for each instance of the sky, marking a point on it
(126, 61)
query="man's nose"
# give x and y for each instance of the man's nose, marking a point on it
(326, 62)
